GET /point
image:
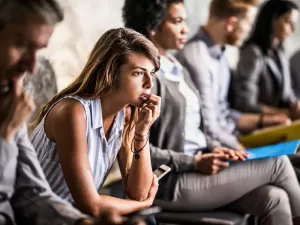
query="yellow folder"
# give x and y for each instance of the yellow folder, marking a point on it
(272, 135)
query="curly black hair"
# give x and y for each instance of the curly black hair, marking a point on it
(146, 15)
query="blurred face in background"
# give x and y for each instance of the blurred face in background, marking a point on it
(172, 33)
(284, 26)
(19, 44)
(242, 28)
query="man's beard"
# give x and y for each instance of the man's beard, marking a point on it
(233, 39)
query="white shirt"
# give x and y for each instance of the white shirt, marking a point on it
(195, 139)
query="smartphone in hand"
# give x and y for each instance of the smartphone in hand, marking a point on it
(162, 171)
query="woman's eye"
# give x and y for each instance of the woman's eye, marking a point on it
(177, 21)
(139, 73)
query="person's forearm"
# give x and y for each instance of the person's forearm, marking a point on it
(140, 175)
(274, 110)
(178, 161)
(248, 122)
(121, 206)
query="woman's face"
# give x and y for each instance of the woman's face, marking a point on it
(284, 26)
(172, 33)
(135, 81)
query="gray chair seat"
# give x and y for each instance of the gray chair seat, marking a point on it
(173, 213)
(177, 214)
(209, 218)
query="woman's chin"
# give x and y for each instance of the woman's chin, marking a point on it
(180, 46)
(137, 104)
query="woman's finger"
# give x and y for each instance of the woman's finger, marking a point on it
(242, 155)
(215, 169)
(155, 110)
(147, 114)
(220, 163)
(154, 100)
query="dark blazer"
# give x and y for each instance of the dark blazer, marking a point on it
(295, 73)
(260, 81)
(167, 135)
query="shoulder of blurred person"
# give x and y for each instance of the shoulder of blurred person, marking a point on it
(25, 28)
(295, 72)
(196, 50)
(251, 58)
(42, 86)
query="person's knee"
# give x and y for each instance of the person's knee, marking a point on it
(282, 162)
(284, 166)
(276, 199)
(278, 196)
(273, 206)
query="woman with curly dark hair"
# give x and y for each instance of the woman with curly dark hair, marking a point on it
(265, 188)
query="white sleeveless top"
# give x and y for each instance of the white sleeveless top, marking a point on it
(101, 152)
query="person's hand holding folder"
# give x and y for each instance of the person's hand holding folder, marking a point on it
(212, 163)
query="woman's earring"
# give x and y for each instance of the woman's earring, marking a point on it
(152, 33)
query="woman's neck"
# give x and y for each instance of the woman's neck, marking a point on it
(162, 50)
(276, 43)
(110, 110)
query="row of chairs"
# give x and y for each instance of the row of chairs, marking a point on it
(171, 213)
(176, 214)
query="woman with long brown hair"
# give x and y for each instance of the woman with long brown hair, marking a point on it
(82, 130)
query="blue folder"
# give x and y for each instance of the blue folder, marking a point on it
(272, 151)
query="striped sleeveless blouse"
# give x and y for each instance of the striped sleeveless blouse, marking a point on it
(101, 152)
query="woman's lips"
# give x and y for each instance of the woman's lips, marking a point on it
(144, 97)
(182, 40)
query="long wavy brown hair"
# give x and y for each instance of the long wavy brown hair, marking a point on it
(100, 75)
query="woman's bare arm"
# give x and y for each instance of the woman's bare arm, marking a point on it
(139, 177)
(66, 125)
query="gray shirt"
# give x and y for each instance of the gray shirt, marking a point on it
(25, 196)
(210, 72)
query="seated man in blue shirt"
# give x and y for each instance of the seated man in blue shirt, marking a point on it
(203, 56)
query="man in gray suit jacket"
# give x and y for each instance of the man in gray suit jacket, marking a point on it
(203, 56)
(25, 196)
